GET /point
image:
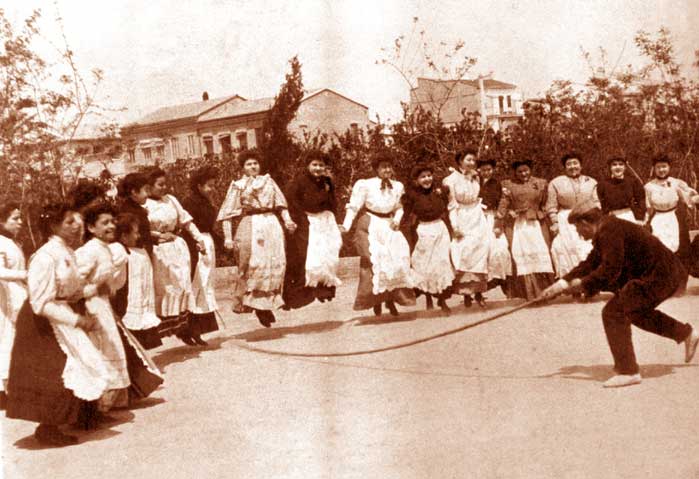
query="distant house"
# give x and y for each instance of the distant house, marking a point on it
(497, 103)
(233, 123)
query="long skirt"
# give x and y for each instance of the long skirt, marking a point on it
(568, 248)
(499, 258)
(313, 259)
(203, 287)
(144, 374)
(470, 253)
(261, 263)
(173, 285)
(384, 264)
(108, 341)
(431, 261)
(54, 370)
(13, 295)
(532, 270)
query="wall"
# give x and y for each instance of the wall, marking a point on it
(328, 112)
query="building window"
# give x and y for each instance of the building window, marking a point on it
(258, 137)
(501, 101)
(132, 155)
(354, 128)
(509, 102)
(175, 148)
(208, 146)
(242, 139)
(147, 153)
(160, 152)
(190, 145)
(225, 142)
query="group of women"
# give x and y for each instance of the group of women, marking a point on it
(111, 281)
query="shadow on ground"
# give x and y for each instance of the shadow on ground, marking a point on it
(105, 431)
(269, 334)
(602, 372)
(180, 354)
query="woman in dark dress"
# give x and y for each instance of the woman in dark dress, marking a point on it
(199, 204)
(133, 193)
(313, 250)
(622, 195)
(56, 372)
(425, 208)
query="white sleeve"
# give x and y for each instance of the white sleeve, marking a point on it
(356, 202)
(41, 282)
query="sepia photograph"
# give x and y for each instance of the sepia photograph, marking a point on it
(349, 239)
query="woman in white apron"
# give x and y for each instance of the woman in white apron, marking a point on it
(13, 286)
(622, 195)
(253, 202)
(667, 199)
(99, 267)
(174, 301)
(56, 372)
(521, 208)
(313, 250)
(568, 248)
(384, 264)
(430, 237)
(469, 252)
(200, 205)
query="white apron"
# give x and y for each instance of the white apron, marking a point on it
(323, 255)
(470, 253)
(203, 287)
(106, 338)
(390, 256)
(626, 214)
(140, 308)
(431, 262)
(667, 229)
(171, 273)
(568, 248)
(499, 259)
(267, 262)
(529, 249)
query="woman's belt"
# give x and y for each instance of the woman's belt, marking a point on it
(257, 211)
(657, 210)
(380, 215)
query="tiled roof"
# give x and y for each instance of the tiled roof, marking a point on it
(238, 108)
(487, 83)
(187, 110)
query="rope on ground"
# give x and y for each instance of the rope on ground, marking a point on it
(395, 346)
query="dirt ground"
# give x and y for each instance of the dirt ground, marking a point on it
(517, 397)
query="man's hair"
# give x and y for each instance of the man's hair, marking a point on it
(593, 215)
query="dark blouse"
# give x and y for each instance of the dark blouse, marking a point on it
(618, 194)
(145, 240)
(421, 205)
(308, 194)
(491, 192)
(202, 211)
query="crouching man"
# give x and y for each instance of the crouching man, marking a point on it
(641, 272)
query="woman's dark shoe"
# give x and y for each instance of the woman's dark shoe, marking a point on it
(442, 303)
(392, 308)
(198, 340)
(188, 340)
(52, 436)
(377, 309)
(264, 318)
(468, 301)
(480, 300)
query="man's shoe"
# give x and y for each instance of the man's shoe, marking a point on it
(621, 380)
(690, 346)
(377, 309)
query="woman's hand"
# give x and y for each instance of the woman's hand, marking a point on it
(342, 229)
(497, 231)
(230, 245)
(395, 226)
(554, 229)
(166, 237)
(290, 226)
(201, 246)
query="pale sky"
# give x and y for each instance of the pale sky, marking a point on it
(164, 52)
